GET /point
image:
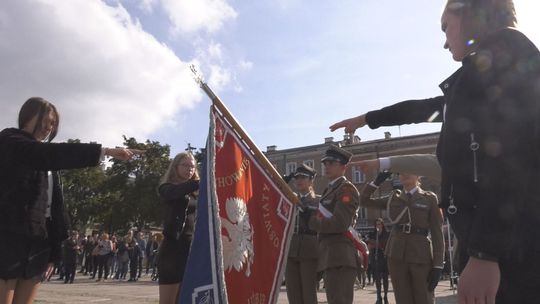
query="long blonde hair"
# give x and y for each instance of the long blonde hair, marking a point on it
(171, 175)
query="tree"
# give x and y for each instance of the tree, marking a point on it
(83, 194)
(137, 181)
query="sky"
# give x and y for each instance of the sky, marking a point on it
(287, 69)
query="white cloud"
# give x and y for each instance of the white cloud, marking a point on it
(219, 77)
(189, 16)
(245, 65)
(105, 74)
(147, 5)
(214, 50)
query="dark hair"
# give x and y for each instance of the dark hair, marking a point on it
(379, 219)
(40, 107)
(479, 18)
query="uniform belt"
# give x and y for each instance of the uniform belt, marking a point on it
(406, 228)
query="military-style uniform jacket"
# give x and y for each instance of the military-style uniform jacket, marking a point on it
(409, 239)
(304, 243)
(335, 249)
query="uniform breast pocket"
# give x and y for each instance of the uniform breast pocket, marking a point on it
(420, 213)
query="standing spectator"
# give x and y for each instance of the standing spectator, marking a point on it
(104, 249)
(71, 253)
(177, 189)
(134, 252)
(369, 271)
(377, 240)
(123, 258)
(141, 241)
(361, 269)
(112, 261)
(93, 255)
(82, 258)
(151, 250)
(33, 218)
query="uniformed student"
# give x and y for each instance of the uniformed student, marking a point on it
(415, 260)
(301, 270)
(337, 255)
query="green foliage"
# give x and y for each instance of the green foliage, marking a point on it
(120, 196)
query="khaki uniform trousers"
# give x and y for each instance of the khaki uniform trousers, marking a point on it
(339, 284)
(301, 280)
(410, 282)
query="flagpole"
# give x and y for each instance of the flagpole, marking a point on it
(261, 158)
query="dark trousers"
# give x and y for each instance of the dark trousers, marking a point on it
(380, 275)
(88, 263)
(150, 263)
(69, 269)
(122, 270)
(133, 268)
(102, 264)
(140, 266)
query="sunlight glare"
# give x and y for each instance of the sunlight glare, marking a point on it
(528, 21)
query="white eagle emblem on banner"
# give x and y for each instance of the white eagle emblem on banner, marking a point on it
(238, 237)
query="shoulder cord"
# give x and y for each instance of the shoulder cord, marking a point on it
(398, 218)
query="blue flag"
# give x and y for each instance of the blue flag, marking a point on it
(203, 281)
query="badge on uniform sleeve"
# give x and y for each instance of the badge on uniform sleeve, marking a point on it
(347, 195)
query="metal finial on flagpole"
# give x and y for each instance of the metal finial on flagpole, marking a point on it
(196, 75)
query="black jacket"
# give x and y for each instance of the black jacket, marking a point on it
(488, 146)
(175, 198)
(24, 163)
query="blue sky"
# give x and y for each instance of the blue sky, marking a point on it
(287, 69)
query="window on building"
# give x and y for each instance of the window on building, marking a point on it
(362, 213)
(310, 163)
(358, 176)
(290, 168)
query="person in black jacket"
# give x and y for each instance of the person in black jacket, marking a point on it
(377, 239)
(488, 149)
(177, 190)
(32, 219)
(71, 251)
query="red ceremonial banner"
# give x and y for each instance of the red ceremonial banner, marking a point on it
(255, 219)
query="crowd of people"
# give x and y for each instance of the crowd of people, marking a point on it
(487, 160)
(102, 257)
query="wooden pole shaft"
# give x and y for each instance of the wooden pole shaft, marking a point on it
(261, 158)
